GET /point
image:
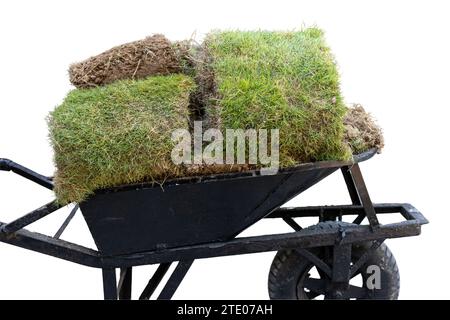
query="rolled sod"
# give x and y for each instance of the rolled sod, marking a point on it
(117, 134)
(276, 80)
(153, 55)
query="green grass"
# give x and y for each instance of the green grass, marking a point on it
(117, 134)
(279, 80)
(121, 133)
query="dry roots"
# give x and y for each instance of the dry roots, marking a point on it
(154, 55)
(361, 131)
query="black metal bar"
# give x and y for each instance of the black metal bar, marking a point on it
(319, 263)
(364, 196)
(302, 239)
(342, 254)
(29, 218)
(353, 193)
(358, 264)
(109, 284)
(359, 219)
(411, 213)
(407, 211)
(175, 280)
(53, 247)
(66, 222)
(5, 164)
(8, 165)
(154, 281)
(124, 286)
(291, 222)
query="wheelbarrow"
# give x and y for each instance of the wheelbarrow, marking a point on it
(195, 218)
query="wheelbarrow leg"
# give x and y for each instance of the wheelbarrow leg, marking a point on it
(342, 255)
(175, 279)
(351, 187)
(359, 194)
(124, 285)
(109, 284)
(155, 281)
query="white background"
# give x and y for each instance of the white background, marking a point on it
(393, 58)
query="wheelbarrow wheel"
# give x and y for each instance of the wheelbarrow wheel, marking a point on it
(294, 277)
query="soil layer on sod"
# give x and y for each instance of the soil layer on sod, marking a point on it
(153, 55)
(117, 134)
(361, 131)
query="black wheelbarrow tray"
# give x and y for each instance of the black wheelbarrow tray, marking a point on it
(194, 218)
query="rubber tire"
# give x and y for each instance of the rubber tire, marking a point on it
(288, 267)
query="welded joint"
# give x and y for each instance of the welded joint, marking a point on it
(4, 230)
(5, 233)
(341, 235)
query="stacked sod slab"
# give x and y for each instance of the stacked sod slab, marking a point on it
(116, 127)
(153, 55)
(284, 80)
(117, 134)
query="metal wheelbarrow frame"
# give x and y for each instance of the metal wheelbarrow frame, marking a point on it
(340, 238)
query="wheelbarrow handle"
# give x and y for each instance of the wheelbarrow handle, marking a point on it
(5, 164)
(8, 165)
